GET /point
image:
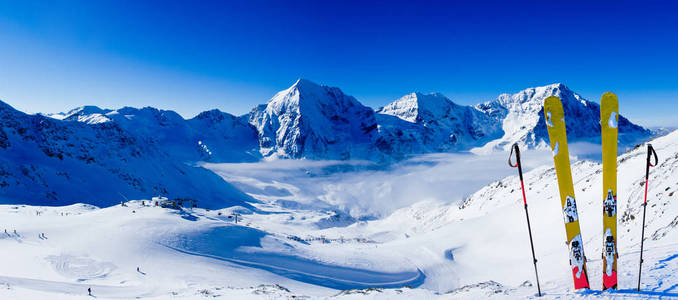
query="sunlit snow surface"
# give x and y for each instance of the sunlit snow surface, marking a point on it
(327, 229)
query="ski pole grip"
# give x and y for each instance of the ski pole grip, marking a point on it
(517, 151)
(650, 153)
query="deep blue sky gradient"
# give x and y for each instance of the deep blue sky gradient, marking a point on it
(192, 56)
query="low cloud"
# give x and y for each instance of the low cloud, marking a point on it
(363, 189)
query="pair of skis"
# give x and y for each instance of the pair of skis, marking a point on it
(555, 123)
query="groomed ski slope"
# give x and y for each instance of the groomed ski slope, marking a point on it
(477, 248)
(101, 248)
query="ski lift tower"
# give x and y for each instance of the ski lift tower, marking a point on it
(235, 215)
(123, 203)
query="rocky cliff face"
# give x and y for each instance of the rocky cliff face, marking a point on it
(312, 121)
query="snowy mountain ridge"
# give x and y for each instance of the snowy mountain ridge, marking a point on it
(228, 138)
(522, 119)
(87, 114)
(313, 121)
(437, 125)
(44, 161)
(419, 107)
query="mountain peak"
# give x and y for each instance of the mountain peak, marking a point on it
(302, 82)
(89, 114)
(306, 87)
(522, 117)
(311, 120)
(426, 97)
(214, 115)
(412, 106)
(87, 109)
(555, 89)
(436, 124)
(310, 97)
(83, 110)
(556, 85)
(291, 94)
(535, 96)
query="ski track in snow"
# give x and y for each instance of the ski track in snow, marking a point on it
(359, 279)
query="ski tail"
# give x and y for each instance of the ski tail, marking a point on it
(609, 117)
(555, 124)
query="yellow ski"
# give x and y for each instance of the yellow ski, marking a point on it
(609, 116)
(555, 124)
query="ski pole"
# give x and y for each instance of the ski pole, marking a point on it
(650, 153)
(515, 149)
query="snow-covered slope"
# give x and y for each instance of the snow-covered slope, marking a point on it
(522, 119)
(487, 238)
(437, 125)
(224, 137)
(313, 121)
(477, 248)
(44, 161)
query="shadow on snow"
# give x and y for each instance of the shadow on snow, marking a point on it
(222, 243)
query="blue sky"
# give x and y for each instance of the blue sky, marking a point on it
(192, 56)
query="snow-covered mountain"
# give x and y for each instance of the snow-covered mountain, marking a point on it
(44, 161)
(87, 114)
(432, 123)
(308, 120)
(210, 136)
(522, 119)
(436, 248)
(312, 121)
